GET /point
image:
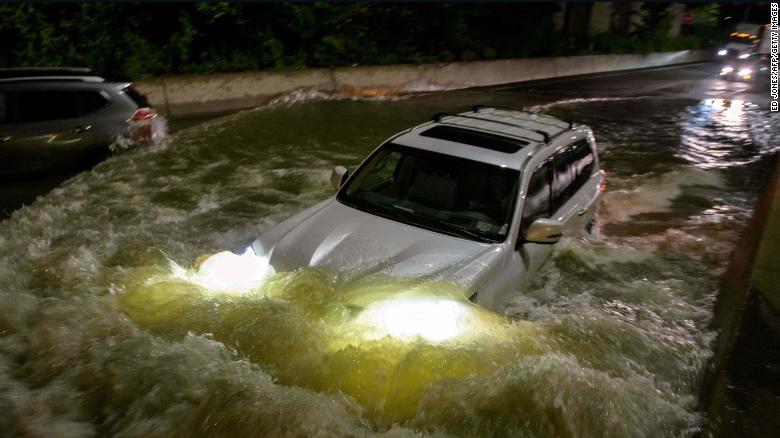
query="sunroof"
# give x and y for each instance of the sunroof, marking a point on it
(485, 140)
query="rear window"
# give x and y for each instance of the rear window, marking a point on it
(138, 98)
(475, 138)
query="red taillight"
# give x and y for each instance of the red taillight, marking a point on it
(603, 183)
(145, 113)
(140, 125)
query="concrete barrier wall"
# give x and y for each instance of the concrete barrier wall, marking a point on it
(191, 94)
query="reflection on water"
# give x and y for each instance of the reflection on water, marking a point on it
(98, 336)
(720, 133)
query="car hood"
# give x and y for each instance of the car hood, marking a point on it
(357, 243)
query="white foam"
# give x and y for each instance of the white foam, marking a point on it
(655, 194)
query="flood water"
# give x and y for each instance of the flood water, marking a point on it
(99, 335)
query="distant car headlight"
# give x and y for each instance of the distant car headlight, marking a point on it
(722, 52)
(745, 72)
(744, 56)
(726, 70)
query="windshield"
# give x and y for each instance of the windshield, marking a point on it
(451, 195)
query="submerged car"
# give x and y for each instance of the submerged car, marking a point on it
(55, 118)
(478, 198)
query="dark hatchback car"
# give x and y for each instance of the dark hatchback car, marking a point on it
(58, 118)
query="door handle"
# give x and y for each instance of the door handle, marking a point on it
(82, 129)
(5, 138)
(581, 212)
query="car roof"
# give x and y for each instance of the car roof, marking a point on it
(41, 74)
(504, 127)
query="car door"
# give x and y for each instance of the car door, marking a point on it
(523, 259)
(575, 187)
(566, 207)
(42, 129)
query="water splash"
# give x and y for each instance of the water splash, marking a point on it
(228, 272)
(149, 133)
(97, 337)
(580, 101)
(654, 194)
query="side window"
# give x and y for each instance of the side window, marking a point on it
(90, 101)
(537, 201)
(583, 157)
(563, 177)
(42, 105)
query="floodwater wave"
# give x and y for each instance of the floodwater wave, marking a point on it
(99, 336)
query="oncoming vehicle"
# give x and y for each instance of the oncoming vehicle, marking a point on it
(53, 118)
(477, 198)
(745, 58)
(745, 71)
(747, 39)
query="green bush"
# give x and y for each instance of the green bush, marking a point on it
(131, 40)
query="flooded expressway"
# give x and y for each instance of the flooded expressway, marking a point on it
(102, 332)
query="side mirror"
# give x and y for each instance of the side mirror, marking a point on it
(339, 176)
(544, 231)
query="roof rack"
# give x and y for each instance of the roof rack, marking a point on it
(438, 116)
(49, 74)
(476, 109)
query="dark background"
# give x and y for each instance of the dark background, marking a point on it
(134, 39)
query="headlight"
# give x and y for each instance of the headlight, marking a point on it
(744, 56)
(745, 72)
(726, 70)
(229, 272)
(433, 319)
(722, 52)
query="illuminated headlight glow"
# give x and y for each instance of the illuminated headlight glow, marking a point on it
(726, 70)
(229, 272)
(432, 319)
(722, 52)
(744, 56)
(745, 72)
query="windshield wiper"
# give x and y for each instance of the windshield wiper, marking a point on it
(406, 209)
(439, 225)
(390, 213)
(468, 232)
(410, 216)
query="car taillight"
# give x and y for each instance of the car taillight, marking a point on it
(145, 113)
(603, 183)
(141, 127)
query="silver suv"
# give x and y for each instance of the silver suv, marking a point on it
(477, 198)
(52, 118)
